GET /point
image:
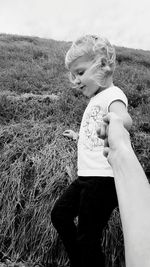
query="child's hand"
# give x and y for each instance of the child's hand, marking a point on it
(70, 134)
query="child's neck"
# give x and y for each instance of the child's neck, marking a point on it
(100, 89)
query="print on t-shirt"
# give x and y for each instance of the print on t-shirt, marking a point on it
(91, 123)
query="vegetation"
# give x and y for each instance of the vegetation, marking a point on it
(37, 163)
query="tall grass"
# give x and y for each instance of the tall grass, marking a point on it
(35, 169)
(37, 163)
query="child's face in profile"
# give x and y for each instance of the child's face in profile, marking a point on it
(82, 76)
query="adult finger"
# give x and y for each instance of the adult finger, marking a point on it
(106, 144)
(106, 118)
(102, 131)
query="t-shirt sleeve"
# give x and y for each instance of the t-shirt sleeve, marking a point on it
(115, 94)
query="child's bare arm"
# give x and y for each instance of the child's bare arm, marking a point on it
(119, 108)
(71, 134)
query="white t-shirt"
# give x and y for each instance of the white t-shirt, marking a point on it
(91, 161)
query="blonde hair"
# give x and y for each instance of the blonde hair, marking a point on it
(97, 48)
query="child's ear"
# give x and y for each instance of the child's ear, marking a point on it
(106, 67)
(103, 62)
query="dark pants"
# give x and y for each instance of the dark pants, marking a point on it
(92, 199)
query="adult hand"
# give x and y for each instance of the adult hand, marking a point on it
(114, 134)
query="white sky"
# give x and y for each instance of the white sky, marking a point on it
(124, 22)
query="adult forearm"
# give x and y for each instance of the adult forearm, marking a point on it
(133, 192)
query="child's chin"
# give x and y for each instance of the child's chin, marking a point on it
(86, 94)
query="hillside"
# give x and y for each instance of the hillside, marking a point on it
(37, 103)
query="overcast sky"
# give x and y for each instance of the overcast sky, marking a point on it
(124, 22)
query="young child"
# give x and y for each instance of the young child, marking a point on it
(92, 196)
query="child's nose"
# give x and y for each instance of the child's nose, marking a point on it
(77, 80)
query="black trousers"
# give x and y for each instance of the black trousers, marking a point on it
(92, 199)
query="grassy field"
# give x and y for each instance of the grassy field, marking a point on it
(37, 163)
